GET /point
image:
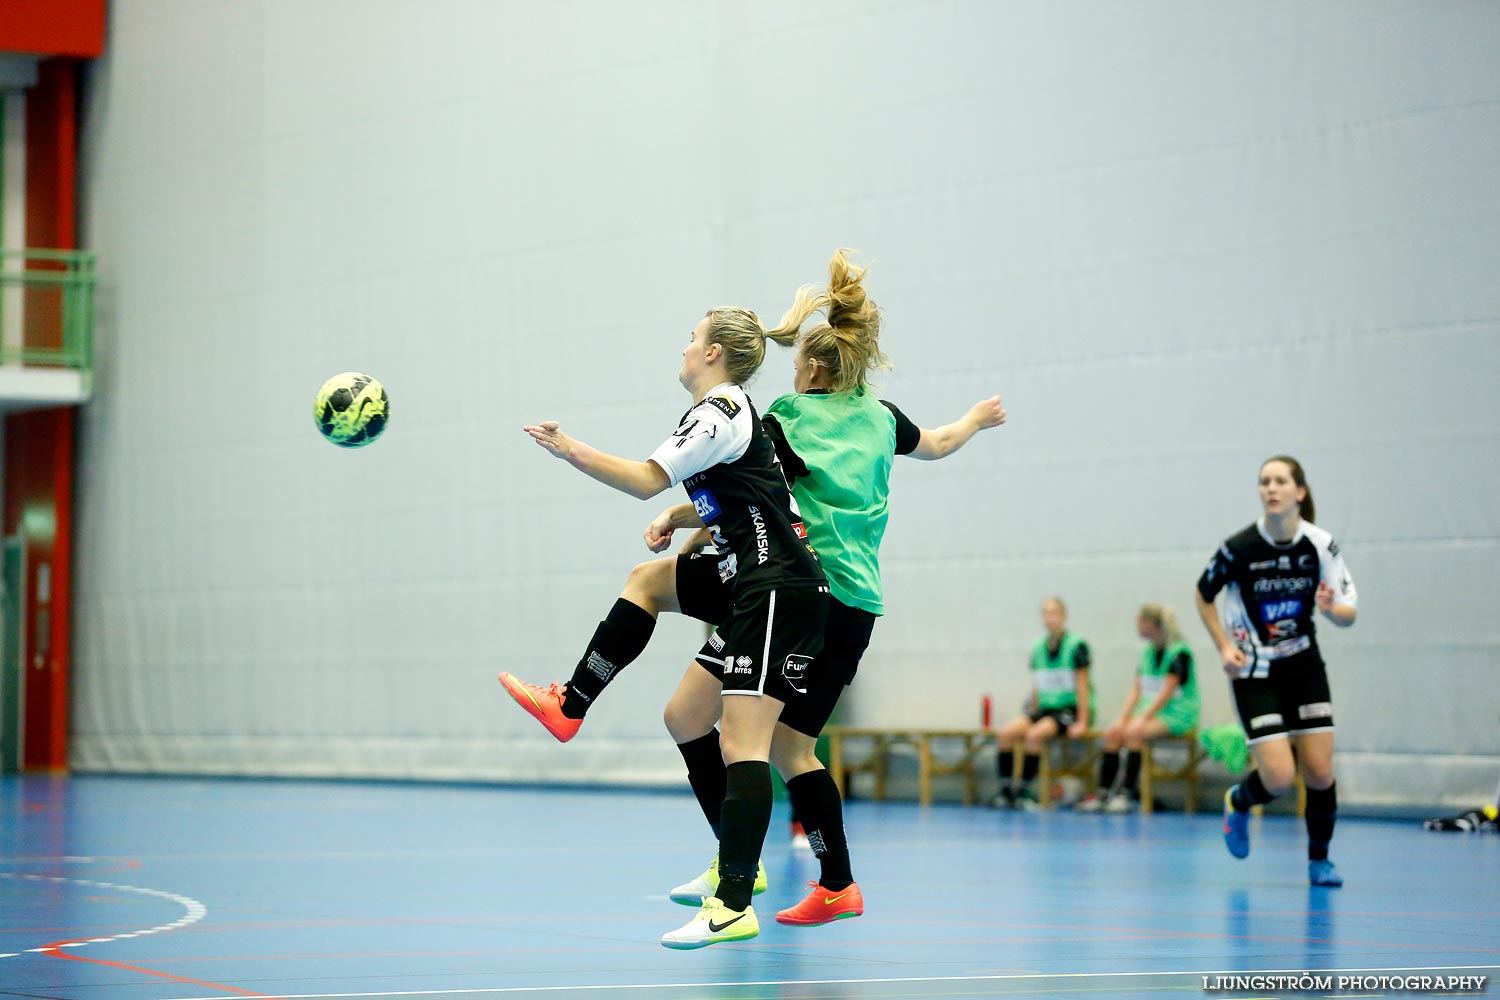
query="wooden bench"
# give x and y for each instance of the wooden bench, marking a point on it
(1153, 770)
(1077, 757)
(942, 752)
(930, 764)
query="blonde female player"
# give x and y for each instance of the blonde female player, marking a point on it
(1274, 575)
(840, 482)
(778, 603)
(1163, 701)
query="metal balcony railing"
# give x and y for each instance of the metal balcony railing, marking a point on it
(47, 308)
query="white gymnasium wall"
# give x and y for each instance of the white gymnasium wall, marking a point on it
(1177, 237)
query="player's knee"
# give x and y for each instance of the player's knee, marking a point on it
(682, 721)
(644, 586)
(741, 747)
(1277, 778)
(792, 761)
(1317, 774)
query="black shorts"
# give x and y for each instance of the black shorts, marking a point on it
(1064, 717)
(768, 642)
(846, 636)
(704, 587)
(1291, 700)
(845, 639)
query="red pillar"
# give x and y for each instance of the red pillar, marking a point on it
(39, 506)
(38, 481)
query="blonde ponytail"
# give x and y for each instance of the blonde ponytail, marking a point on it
(848, 343)
(739, 332)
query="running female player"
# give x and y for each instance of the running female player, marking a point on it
(1275, 574)
(778, 602)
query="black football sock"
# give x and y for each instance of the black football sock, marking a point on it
(743, 821)
(705, 766)
(1133, 773)
(1029, 768)
(815, 798)
(1250, 792)
(1006, 760)
(1109, 769)
(617, 641)
(1322, 809)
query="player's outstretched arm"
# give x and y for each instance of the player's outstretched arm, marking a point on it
(642, 480)
(947, 439)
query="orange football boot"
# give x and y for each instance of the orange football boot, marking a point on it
(544, 704)
(824, 906)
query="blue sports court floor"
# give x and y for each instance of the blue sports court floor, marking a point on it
(117, 888)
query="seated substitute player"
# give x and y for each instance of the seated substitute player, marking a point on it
(778, 602)
(1060, 684)
(1274, 574)
(1163, 701)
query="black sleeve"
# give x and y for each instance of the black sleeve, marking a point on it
(908, 434)
(792, 467)
(1081, 656)
(1182, 667)
(1215, 574)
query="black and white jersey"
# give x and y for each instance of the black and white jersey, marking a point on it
(725, 460)
(1270, 590)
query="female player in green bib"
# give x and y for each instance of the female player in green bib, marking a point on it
(1163, 701)
(1060, 684)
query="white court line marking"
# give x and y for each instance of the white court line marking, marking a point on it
(195, 911)
(843, 982)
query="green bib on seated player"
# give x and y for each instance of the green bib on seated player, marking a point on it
(1181, 712)
(1053, 675)
(848, 442)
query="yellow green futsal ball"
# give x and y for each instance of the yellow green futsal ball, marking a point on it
(352, 410)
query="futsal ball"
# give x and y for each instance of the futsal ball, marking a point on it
(352, 410)
(1067, 790)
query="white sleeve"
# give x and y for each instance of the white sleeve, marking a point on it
(707, 436)
(1335, 573)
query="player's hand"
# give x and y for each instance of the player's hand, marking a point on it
(1077, 729)
(1324, 597)
(987, 413)
(658, 533)
(550, 436)
(1234, 659)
